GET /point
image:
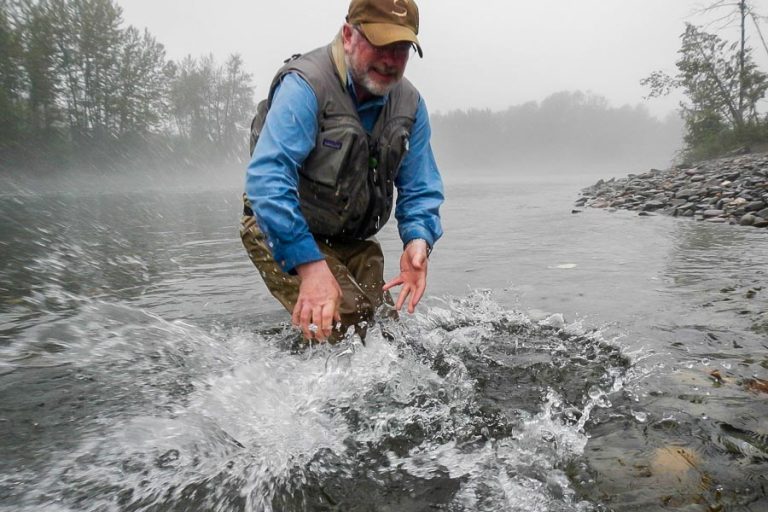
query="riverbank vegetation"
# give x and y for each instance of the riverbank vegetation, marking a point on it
(81, 90)
(722, 84)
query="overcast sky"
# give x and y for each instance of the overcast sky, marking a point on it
(481, 54)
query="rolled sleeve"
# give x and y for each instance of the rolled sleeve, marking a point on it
(271, 182)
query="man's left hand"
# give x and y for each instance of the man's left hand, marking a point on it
(413, 275)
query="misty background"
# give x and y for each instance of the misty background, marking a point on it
(167, 90)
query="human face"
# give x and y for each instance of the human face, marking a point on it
(377, 69)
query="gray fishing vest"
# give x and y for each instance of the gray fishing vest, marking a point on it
(346, 184)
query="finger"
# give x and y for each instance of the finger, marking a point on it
(401, 297)
(296, 315)
(304, 320)
(317, 321)
(416, 296)
(326, 324)
(394, 282)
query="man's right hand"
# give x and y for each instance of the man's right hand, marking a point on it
(318, 302)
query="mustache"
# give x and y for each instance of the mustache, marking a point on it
(386, 70)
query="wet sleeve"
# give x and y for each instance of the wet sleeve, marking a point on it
(419, 186)
(272, 179)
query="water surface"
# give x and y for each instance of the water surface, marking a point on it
(561, 362)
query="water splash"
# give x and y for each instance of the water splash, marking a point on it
(471, 407)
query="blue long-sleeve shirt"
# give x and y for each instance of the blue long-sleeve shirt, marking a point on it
(288, 137)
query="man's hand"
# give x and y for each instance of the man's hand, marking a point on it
(318, 302)
(413, 274)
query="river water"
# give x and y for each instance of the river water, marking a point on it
(560, 362)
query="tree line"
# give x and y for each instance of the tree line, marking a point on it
(567, 130)
(79, 88)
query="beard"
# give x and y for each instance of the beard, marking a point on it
(363, 75)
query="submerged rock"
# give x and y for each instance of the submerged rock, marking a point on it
(730, 190)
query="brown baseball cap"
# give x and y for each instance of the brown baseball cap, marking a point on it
(385, 22)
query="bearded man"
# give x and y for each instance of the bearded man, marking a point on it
(340, 130)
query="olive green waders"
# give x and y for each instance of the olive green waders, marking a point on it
(357, 265)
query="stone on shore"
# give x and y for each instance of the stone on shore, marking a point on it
(730, 190)
(748, 220)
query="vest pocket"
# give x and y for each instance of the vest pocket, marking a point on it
(330, 156)
(394, 146)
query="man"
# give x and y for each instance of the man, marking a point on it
(342, 128)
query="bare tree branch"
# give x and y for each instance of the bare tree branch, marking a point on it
(759, 32)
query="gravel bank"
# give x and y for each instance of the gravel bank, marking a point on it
(731, 190)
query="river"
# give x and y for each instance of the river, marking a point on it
(560, 362)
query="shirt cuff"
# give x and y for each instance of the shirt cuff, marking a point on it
(429, 247)
(297, 253)
(418, 233)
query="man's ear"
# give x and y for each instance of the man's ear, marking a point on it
(346, 35)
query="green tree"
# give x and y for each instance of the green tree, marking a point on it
(723, 88)
(140, 99)
(11, 79)
(236, 106)
(212, 104)
(738, 11)
(88, 36)
(40, 61)
(74, 82)
(187, 91)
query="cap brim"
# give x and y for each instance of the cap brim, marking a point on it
(382, 34)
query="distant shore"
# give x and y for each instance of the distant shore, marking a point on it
(731, 190)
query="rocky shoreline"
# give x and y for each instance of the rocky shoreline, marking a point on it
(731, 190)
